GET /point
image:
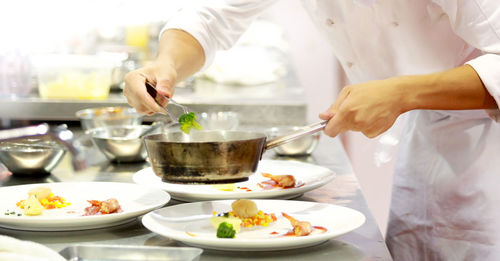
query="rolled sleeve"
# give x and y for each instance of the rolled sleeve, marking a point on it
(478, 23)
(217, 25)
(487, 67)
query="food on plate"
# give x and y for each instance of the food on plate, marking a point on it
(226, 230)
(244, 208)
(11, 213)
(39, 199)
(235, 222)
(33, 207)
(284, 181)
(97, 207)
(188, 122)
(230, 187)
(250, 215)
(244, 188)
(300, 228)
(40, 192)
(224, 187)
(244, 213)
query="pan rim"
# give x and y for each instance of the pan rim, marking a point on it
(255, 136)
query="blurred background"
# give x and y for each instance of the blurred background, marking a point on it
(58, 57)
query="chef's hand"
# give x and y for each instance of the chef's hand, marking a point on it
(179, 56)
(371, 108)
(162, 75)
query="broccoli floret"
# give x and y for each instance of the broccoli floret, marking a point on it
(225, 230)
(188, 121)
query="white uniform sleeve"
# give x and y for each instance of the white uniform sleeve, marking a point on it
(216, 24)
(478, 23)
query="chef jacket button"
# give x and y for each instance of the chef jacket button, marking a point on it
(349, 64)
(329, 22)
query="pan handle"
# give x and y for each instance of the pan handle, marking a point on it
(307, 130)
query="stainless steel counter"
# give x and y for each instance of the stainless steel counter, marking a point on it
(280, 103)
(364, 243)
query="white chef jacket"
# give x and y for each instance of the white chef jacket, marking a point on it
(446, 192)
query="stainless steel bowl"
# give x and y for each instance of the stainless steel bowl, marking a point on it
(108, 116)
(120, 143)
(219, 120)
(31, 157)
(298, 147)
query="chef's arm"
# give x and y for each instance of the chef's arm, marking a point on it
(187, 44)
(181, 51)
(460, 88)
(373, 107)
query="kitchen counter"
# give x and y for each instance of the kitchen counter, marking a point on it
(279, 103)
(364, 243)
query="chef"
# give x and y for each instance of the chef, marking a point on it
(438, 61)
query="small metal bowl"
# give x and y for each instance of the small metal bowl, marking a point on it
(108, 116)
(299, 147)
(31, 157)
(120, 143)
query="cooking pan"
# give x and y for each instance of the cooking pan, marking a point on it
(213, 156)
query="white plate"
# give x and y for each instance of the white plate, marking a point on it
(337, 220)
(135, 200)
(313, 176)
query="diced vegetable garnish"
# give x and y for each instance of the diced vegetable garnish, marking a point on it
(49, 201)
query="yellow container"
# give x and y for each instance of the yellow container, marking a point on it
(74, 76)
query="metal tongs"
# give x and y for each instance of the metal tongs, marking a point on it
(162, 99)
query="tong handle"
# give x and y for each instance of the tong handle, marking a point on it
(307, 130)
(162, 99)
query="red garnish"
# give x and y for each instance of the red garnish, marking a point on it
(271, 184)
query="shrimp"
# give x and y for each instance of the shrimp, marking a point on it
(284, 181)
(110, 206)
(300, 228)
(102, 207)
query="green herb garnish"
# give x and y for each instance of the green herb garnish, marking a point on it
(188, 122)
(13, 213)
(225, 230)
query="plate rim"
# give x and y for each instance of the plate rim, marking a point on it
(255, 244)
(180, 195)
(38, 223)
